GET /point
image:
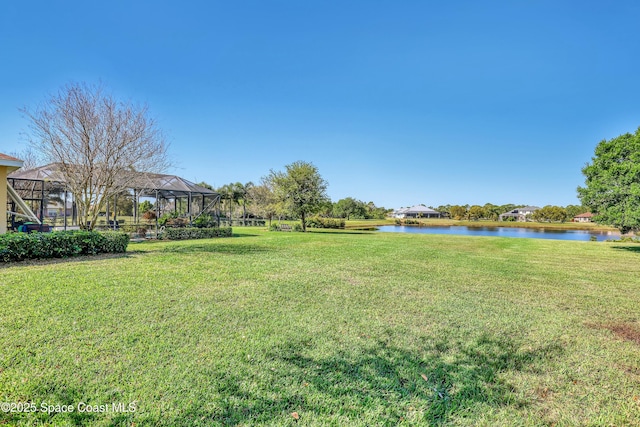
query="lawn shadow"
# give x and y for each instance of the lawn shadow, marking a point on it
(375, 384)
(73, 259)
(395, 379)
(49, 408)
(214, 248)
(630, 248)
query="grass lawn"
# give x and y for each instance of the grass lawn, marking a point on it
(328, 328)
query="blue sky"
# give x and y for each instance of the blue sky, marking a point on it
(398, 103)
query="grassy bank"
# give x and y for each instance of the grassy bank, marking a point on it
(334, 328)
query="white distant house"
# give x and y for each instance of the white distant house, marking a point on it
(520, 214)
(417, 211)
(584, 217)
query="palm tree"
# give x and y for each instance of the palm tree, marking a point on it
(243, 192)
(227, 194)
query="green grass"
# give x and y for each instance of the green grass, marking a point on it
(339, 327)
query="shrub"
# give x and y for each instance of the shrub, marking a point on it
(274, 227)
(114, 242)
(195, 233)
(297, 227)
(60, 244)
(407, 221)
(149, 215)
(166, 217)
(625, 239)
(177, 222)
(205, 221)
(318, 222)
(134, 228)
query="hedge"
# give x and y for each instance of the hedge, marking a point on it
(195, 233)
(318, 222)
(60, 244)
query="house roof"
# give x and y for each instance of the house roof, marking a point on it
(146, 183)
(12, 163)
(584, 215)
(168, 184)
(419, 209)
(49, 173)
(517, 211)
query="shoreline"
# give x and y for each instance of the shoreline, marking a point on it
(355, 224)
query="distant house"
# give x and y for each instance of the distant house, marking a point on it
(583, 217)
(520, 214)
(417, 211)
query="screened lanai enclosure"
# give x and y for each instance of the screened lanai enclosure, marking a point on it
(45, 192)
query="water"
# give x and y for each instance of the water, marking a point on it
(532, 233)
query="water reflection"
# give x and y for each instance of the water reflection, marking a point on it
(535, 233)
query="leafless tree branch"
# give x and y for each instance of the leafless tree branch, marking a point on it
(97, 141)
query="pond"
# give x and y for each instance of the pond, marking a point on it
(533, 233)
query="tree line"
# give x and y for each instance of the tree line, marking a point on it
(492, 212)
(295, 193)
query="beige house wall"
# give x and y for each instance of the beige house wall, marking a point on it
(3, 199)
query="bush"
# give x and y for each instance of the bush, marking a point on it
(177, 222)
(194, 233)
(297, 227)
(625, 239)
(166, 217)
(134, 228)
(317, 222)
(205, 221)
(60, 244)
(149, 216)
(407, 221)
(274, 227)
(113, 242)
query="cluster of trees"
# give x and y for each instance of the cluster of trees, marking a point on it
(551, 214)
(489, 211)
(296, 192)
(350, 208)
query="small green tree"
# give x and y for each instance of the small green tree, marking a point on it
(458, 212)
(145, 206)
(491, 211)
(612, 184)
(476, 212)
(345, 208)
(301, 188)
(265, 203)
(550, 214)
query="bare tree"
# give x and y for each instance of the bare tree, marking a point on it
(30, 158)
(98, 142)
